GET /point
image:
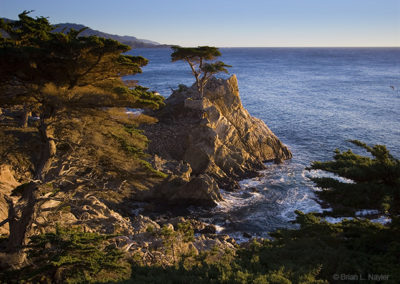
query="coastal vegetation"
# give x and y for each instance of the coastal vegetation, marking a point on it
(354, 249)
(84, 160)
(71, 256)
(50, 73)
(317, 252)
(64, 78)
(372, 182)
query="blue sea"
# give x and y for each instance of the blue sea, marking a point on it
(314, 100)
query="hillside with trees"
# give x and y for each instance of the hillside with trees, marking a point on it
(131, 41)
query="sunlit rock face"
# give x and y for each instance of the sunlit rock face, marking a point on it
(214, 134)
(7, 184)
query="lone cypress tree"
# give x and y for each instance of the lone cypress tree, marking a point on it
(197, 58)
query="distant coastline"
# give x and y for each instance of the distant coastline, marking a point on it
(131, 41)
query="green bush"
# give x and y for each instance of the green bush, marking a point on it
(71, 256)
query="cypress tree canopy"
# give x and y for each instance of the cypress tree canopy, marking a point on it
(194, 53)
(32, 58)
(197, 58)
(374, 182)
(51, 72)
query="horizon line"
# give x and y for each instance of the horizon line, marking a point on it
(308, 46)
(317, 46)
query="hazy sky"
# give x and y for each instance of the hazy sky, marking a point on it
(230, 22)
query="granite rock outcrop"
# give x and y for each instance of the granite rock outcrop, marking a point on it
(214, 136)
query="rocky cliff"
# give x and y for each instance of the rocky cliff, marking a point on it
(198, 146)
(210, 142)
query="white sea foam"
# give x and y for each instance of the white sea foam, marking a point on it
(239, 238)
(319, 174)
(219, 229)
(367, 212)
(382, 220)
(236, 200)
(246, 183)
(134, 111)
(335, 220)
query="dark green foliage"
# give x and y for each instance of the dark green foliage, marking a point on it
(223, 266)
(314, 253)
(53, 73)
(71, 256)
(34, 57)
(349, 247)
(143, 97)
(134, 145)
(187, 230)
(214, 68)
(26, 30)
(376, 181)
(150, 169)
(196, 57)
(194, 53)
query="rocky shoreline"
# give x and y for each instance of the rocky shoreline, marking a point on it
(197, 147)
(208, 143)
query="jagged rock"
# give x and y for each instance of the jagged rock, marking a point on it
(180, 187)
(209, 229)
(175, 169)
(217, 137)
(50, 204)
(142, 223)
(208, 244)
(98, 217)
(200, 190)
(7, 179)
(175, 221)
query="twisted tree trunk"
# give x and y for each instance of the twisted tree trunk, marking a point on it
(20, 223)
(22, 213)
(20, 218)
(48, 151)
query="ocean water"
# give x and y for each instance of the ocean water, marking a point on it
(314, 100)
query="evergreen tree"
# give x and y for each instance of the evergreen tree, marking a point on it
(374, 183)
(197, 58)
(52, 72)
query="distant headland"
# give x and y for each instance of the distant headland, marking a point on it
(132, 41)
